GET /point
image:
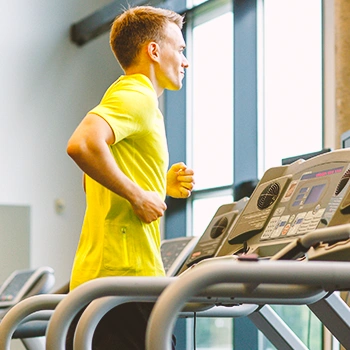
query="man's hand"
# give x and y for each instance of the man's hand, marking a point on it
(148, 206)
(180, 181)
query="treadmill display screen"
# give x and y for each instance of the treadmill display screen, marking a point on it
(307, 196)
(314, 194)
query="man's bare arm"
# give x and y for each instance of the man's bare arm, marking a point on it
(89, 148)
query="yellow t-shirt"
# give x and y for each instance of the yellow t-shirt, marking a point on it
(114, 241)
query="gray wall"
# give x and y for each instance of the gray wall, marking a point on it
(47, 86)
(14, 239)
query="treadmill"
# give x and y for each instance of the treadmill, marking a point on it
(297, 218)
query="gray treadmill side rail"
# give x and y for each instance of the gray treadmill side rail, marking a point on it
(140, 286)
(25, 310)
(98, 308)
(265, 319)
(149, 288)
(329, 275)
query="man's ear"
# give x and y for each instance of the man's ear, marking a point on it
(153, 51)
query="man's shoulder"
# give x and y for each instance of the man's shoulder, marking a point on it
(131, 94)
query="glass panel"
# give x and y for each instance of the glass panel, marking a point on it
(291, 50)
(303, 323)
(211, 333)
(214, 333)
(212, 136)
(212, 90)
(292, 79)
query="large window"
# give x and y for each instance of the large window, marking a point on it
(211, 110)
(291, 79)
(210, 115)
(291, 114)
(278, 101)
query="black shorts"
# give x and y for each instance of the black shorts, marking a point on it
(123, 327)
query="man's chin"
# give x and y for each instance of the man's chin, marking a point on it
(175, 87)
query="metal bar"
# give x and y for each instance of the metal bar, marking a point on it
(98, 308)
(20, 311)
(274, 328)
(100, 21)
(215, 272)
(231, 277)
(245, 91)
(334, 313)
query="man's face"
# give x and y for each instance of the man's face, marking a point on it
(172, 61)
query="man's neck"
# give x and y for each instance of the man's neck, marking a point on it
(149, 73)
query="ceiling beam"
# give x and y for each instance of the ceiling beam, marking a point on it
(100, 21)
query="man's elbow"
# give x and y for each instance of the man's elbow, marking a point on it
(74, 149)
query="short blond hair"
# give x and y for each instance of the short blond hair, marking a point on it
(136, 27)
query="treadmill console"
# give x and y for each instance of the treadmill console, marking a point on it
(216, 232)
(175, 251)
(24, 283)
(291, 201)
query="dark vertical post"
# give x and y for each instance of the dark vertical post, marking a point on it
(245, 124)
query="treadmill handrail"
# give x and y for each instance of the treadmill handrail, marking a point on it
(224, 294)
(24, 311)
(328, 275)
(330, 234)
(149, 288)
(58, 326)
(98, 308)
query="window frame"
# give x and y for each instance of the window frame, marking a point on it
(178, 216)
